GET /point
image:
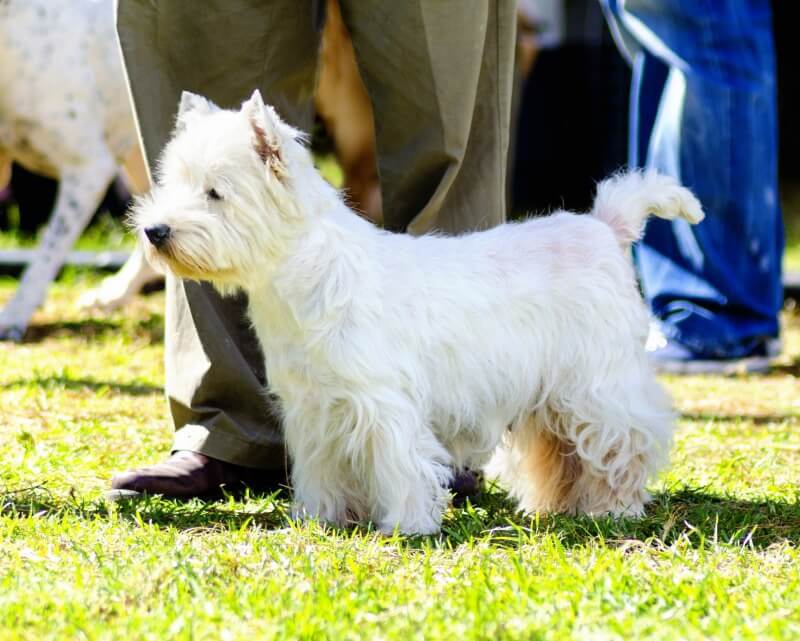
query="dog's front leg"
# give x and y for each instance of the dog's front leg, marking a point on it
(321, 481)
(407, 471)
(319, 490)
(378, 461)
(117, 290)
(79, 194)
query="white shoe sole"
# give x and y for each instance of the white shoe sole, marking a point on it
(749, 365)
(722, 367)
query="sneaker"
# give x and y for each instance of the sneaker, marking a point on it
(670, 357)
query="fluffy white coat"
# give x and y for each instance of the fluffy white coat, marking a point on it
(396, 358)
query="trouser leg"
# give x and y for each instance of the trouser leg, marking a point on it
(439, 74)
(441, 156)
(716, 286)
(214, 369)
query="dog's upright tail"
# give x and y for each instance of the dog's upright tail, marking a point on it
(625, 200)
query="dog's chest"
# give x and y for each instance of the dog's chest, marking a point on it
(291, 368)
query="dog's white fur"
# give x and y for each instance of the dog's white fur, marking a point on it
(64, 113)
(397, 359)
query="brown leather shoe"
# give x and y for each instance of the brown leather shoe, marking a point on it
(186, 475)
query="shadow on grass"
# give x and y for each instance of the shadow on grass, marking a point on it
(755, 419)
(792, 368)
(64, 382)
(151, 328)
(264, 510)
(696, 517)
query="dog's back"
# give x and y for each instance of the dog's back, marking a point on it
(64, 113)
(542, 316)
(63, 82)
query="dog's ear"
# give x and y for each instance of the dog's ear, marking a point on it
(266, 125)
(192, 105)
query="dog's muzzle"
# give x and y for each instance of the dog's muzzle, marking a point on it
(158, 235)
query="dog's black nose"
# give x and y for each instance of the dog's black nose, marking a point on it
(157, 234)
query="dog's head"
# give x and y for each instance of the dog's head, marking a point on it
(224, 204)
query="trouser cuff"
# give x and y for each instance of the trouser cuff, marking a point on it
(228, 448)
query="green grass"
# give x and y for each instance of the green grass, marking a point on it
(715, 557)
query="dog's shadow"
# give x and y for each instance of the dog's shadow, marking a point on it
(690, 516)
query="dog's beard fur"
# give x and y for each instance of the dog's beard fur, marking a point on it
(192, 251)
(396, 359)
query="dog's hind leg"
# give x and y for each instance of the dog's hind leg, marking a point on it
(539, 467)
(79, 194)
(621, 435)
(136, 171)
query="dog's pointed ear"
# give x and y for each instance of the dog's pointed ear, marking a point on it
(192, 105)
(193, 102)
(253, 107)
(265, 124)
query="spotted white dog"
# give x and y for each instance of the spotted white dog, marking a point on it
(64, 113)
(397, 359)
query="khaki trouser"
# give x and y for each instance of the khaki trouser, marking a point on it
(439, 75)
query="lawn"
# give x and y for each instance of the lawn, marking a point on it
(715, 557)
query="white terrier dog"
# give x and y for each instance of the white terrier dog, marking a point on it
(398, 359)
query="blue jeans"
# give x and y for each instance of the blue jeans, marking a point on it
(703, 109)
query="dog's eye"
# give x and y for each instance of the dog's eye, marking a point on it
(213, 194)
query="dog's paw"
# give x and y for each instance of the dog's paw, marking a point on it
(14, 319)
(336, 516)
(425, 520)
(12, 333)
(410, 529)
(106, 297)
(301, 513)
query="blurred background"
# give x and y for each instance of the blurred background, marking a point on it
(571, 104)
